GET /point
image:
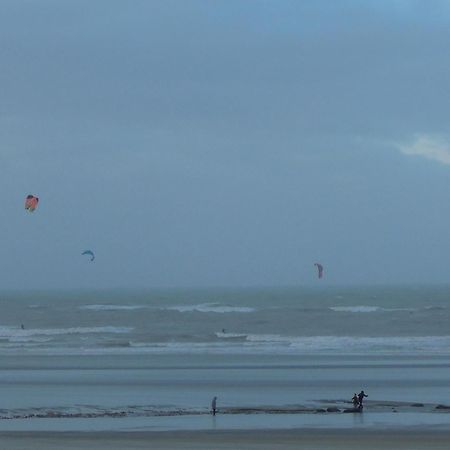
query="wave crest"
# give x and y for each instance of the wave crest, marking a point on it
(211, 308)
(112, 307)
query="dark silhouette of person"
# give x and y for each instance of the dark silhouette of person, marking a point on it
(213, 406)
(355, 400)
(361, 396)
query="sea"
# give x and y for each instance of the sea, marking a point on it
(275, 357)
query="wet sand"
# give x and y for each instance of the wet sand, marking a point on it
(310, 439)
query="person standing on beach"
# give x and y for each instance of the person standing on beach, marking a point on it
(213, 406)
(361, 396)
(355, 400)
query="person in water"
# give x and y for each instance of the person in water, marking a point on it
(213, 406)
(355, 400)
(361, 396)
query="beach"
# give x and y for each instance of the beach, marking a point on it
(231, 440)
(139, 370)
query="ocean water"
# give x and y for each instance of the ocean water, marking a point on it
(106, 360)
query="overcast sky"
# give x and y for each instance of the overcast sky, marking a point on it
(224, 143)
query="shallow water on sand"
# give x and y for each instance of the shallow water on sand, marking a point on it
(166, 392)
(365, 421)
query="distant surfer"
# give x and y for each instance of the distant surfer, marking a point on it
(22, 326)
(214, 406)
(355, 400)
(361, 396)
(223, 330)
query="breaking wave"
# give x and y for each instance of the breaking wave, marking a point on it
(15, 332)
(355, 309)
(112, 307)
(367, 309)
(211, 308)
(269, 344)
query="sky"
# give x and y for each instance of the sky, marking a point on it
(224, 143)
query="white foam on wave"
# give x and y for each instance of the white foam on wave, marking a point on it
(435, 308)
(262, 344)
(276, 344)
(222, 335)
(15, 332)
(366, 309)
(112, 307)
(211, 308)
(344, 344)
(355, 309)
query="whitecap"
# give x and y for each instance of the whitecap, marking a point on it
(112, 307)
(368, 309)
(269, 344)
(223, 335)
(355, 309)
(9, 332)
(211, 308)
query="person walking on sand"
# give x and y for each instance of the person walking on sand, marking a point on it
(361, 396)
(213, 406)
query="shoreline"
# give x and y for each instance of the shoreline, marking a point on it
(322, 407)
